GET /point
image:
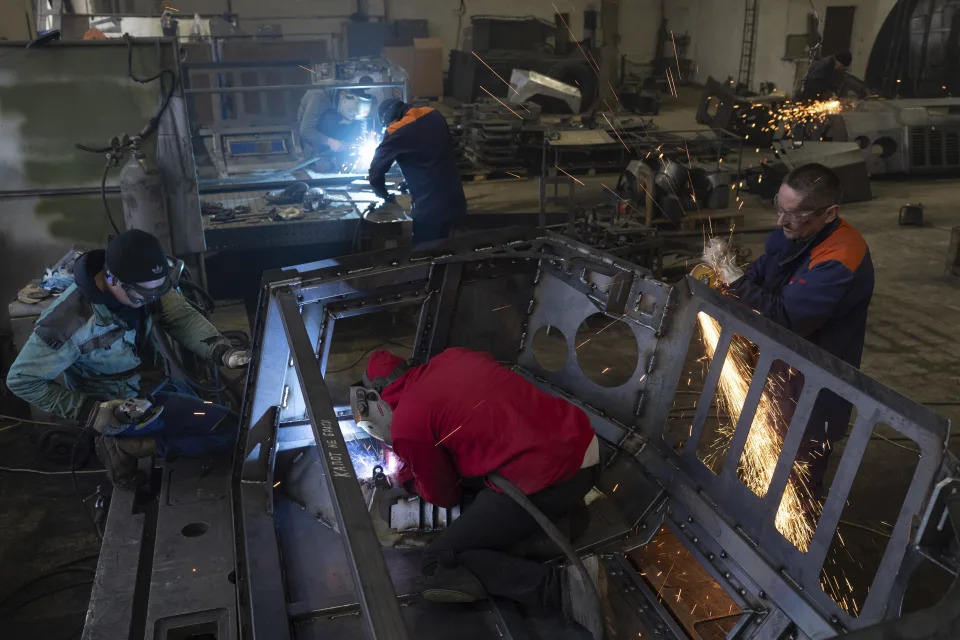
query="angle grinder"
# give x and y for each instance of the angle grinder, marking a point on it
(139, 412)
(706, 275)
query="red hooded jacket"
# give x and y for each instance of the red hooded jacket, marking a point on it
(463, 415)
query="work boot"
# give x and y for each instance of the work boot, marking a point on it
(452, 584)
(120, 456)
(578, 601)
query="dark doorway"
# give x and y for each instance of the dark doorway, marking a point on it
(838, 30)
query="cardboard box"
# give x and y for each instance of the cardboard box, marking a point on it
(423, 63)
(16, 20)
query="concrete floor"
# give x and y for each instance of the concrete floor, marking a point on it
(912, 346)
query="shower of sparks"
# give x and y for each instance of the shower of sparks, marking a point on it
(617, 133)
(764, 441)
(671, 83)
(509, 86)
(447, 436)
(365, 455)
(676, 57)
(502, 103)
(506, 306)
(579, 182)
(617, 196)
(574, 38)
(362, 152)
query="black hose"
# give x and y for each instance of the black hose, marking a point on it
(103, 196)
(551, 530)
(50, 592)
(76, 488)
(44, 576)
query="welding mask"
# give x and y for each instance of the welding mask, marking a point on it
(371, 412)
(353, 107)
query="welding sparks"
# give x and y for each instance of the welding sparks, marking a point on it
(307, 69)
(675, 55)
(506, 306)
(514, 175)
(615, 487)
(764, 442)
(276, 484)
(448, 435)
(579, 182)
(502, 103)
(605, 370)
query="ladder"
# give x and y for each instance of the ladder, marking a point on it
(748, 49)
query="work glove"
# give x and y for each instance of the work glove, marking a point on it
(236, 358)
(719, 256)
(103, 418)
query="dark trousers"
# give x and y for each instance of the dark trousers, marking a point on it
(492, 523)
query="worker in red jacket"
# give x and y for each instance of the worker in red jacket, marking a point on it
(462, 415)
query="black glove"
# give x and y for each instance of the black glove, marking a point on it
(388, 498)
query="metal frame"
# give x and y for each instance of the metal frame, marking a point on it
(537, 279)
(558, 282)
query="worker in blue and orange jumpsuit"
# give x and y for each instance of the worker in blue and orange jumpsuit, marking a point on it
(418, 140)
(460, 416)
(816, 279)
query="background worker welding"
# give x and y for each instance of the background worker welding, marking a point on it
(94, 336)
(825, 77)
(331, 122)
(816, 279)
(462, 415)
(418, 140)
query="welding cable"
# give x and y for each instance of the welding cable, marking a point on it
(103, 195)
(551, 530)
(76, 488)
(355, 362)
(40, 596)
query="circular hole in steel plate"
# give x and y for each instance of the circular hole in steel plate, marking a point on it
(607, 350)
(550, 348)
(195, 529)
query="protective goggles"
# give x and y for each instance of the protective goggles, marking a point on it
(371, 412)
(797, 216)
(147, 292)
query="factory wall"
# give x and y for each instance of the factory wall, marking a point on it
(716, 27)
(639, 19)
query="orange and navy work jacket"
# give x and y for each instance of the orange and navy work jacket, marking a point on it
(420, 143)
(819, 289)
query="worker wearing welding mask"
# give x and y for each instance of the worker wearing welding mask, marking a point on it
(815, 278)
(825, 77)
(418, 140)
(460, 417)
(86, 352)
(329, 128)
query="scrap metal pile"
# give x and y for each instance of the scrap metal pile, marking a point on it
(694, 549)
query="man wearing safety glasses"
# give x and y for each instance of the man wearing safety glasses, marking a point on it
(94, 336)
(816, 279)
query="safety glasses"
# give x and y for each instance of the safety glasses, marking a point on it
(145, 295)
(797, 216)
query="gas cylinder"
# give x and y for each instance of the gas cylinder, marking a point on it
(144, 198)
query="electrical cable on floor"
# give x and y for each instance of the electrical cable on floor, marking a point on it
(865, 528)
(49, 592)
(50, 473)
(355, 362)
(50, 424)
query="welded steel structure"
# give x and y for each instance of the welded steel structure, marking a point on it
(296, 579)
